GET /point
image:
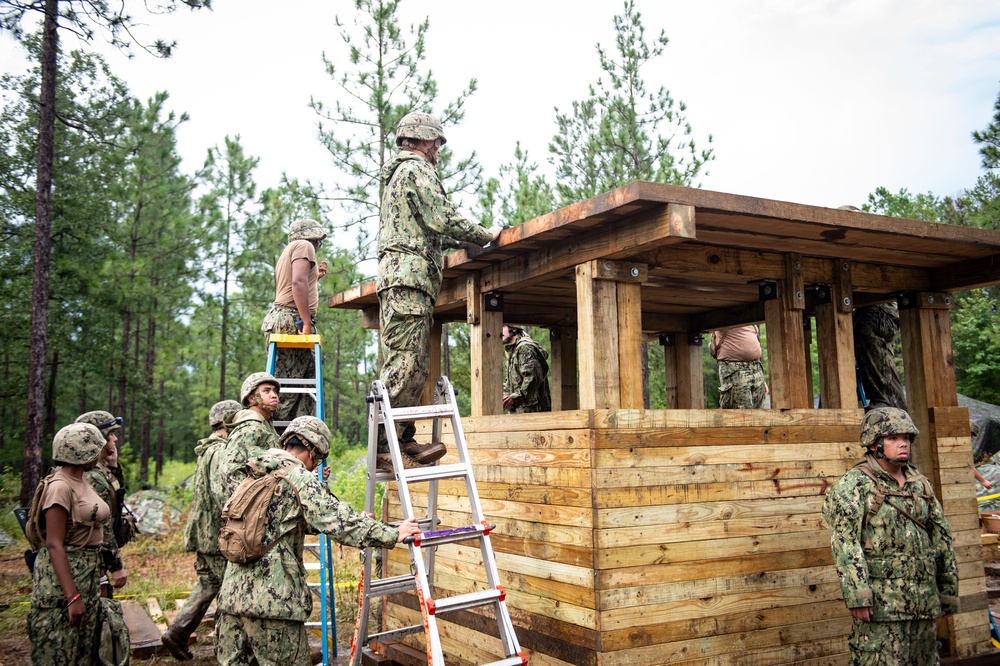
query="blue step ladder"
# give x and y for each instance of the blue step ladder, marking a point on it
(322, 549)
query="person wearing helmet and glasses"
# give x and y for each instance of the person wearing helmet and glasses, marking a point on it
(526, 380)
(892, 547)
(296, 282)
(263, 605)
(106, 479)
(417, 222)
(201, 535)
(65, 594)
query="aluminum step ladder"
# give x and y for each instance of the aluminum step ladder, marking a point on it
(423, 545)
(321, 548)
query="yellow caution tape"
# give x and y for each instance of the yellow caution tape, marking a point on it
(988, 497)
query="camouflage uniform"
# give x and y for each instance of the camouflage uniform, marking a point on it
(741, 385)
(201, 536)
(876, 328)
(906, 573)
(53, 641)
(291, 363)
(100, 479)
(249, 436)
(417, 221)
(264, 604)
(527, 376)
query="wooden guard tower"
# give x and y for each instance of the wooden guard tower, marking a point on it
(688, 535)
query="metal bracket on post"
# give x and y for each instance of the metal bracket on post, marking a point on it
(824, 294)
(767, 290)
(666, 339)
(493, 301)
(695, 339)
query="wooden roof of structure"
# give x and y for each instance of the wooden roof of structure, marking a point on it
(704, 255)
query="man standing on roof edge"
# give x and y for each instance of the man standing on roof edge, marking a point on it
(417, 222)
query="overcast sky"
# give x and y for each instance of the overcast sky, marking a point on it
(816, 102)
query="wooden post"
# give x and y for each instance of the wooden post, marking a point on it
(835, 340)
(807, 350)
(562, 370)
(784, 352)
(668, 340)
(427, 397)
(685, 377)
(486, 352)
(610, 342)
(929, 367)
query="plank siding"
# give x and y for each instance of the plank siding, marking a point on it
(629, 537)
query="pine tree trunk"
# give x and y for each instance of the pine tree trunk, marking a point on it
(42, 256)
(147, 410)
(50, 399)
(143, 453)
(159, 434)
(336, 382)
(123, 361)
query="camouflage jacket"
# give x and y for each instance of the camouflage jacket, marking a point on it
(903, 571)
(201, 534)
(527, 377)
(417, 220)
(249, 435)
(100, 479)
(274, 587)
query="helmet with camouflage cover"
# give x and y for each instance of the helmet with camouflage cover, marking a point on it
(883, 421)
(419, 126)
(251, 383)
(222, 412)
(311, 431)
(77, 444)
(105, 422)
(306, 230)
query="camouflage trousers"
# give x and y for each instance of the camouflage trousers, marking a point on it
(290, 364)
(405, 319)
(741, 385)
(210, 569)
(254, 641)
(910, 642)
(53, 641)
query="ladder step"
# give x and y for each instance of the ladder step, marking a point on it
(436, 472)
(450, 535)
(381, 587)
(466, 601)
(420, 412)
(395, 634)
(319, 625)
(295, 381)
(311, 566)
(424, 523)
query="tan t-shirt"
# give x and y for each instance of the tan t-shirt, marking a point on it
(736, 344)
(62, 491)
(300, 249)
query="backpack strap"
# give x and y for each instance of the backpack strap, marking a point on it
(281, 473)
(882, 496)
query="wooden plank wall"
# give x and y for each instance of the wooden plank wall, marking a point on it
(673, 537)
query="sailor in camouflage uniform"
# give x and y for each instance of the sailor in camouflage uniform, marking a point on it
(417, 222)
(201, 536)
(64, 616)
(876, 328)
(892, 548)
(104, 481)
(249, 435)
(263, 605)
(526, 382)
(296, 276)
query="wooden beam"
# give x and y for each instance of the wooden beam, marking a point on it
(427, 397)
(486, 351)
(597, 316)
(785, 362)
(795, 290)
(629, 344)
(968, 274)
(929, 368)
(835, 342)
(690, 371)
(562, 370)
(670, 369)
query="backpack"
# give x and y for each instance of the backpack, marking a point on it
(882, 497)
(114, 646)
(244, 516)
(34, 527)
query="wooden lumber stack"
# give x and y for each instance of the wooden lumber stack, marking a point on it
(629, 537)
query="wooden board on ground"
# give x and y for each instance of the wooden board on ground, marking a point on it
(142, 631)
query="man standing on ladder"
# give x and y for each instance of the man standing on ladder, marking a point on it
(417, 222)
(296, 280)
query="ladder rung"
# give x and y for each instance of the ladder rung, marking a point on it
(311, 566)
(314, 546)
(319, 625)
(519, 660)
(435, 472)
(465, 601)
(422, 412)
(424, 523)
(450, 535)
(291, 340)
(394, 634)
(295, 381)
(392, 585)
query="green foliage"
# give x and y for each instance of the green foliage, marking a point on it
(517, 195)
(622, 131)
(348, 479)
(989, 139)
(928, 207)
(976, 337)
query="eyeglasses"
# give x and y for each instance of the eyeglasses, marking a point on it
(116, 421)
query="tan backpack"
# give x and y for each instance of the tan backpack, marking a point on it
(34, 527)
(244, 516)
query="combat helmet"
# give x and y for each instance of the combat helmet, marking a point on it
(310, 430)
(222, 412)
(251, 383)
(306, 230)
(77, 444)
(883, 421)
(419, 126)
(105, 422)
